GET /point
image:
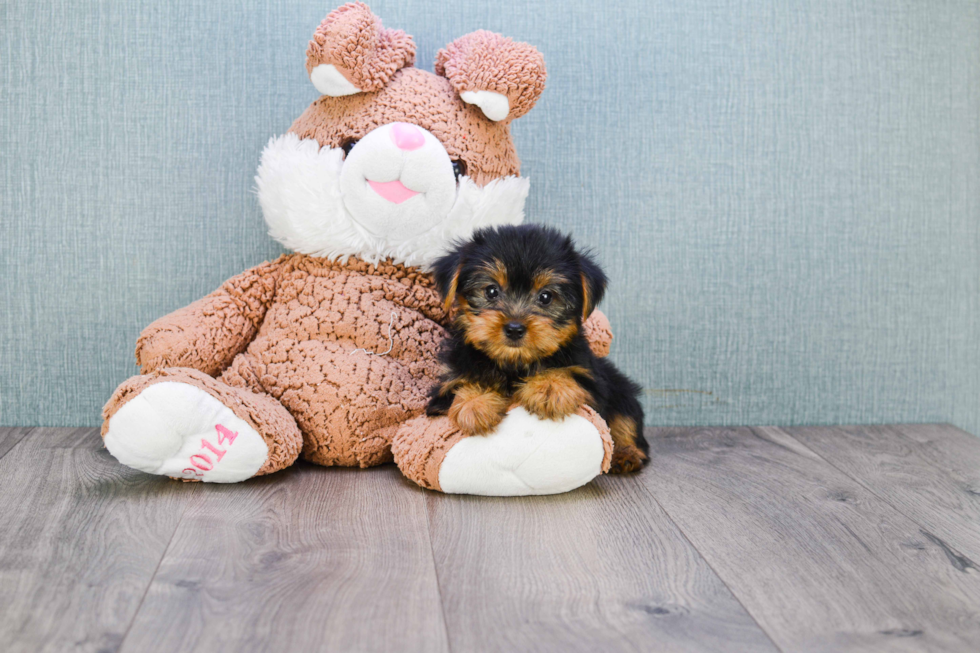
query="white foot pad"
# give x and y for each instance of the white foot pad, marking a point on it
(176, 429)
(524, 456)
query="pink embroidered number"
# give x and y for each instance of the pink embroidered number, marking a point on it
(220, 453)
(202, 461)
(225, 434)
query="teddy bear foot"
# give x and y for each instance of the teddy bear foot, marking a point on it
(179, 430)
(525, 455)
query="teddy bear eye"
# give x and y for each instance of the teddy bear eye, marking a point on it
(348, 146)
(459, 169)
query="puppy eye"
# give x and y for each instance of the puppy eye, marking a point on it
(459, 169)
(491, 292)
(545, 297)
(348, 146)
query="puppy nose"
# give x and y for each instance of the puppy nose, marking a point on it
(515, 330)
(407, 137)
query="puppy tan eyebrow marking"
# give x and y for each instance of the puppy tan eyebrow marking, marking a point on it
(547, 278)
(497, 271)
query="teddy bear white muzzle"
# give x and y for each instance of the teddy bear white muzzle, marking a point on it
(398, 181)
(299, 187)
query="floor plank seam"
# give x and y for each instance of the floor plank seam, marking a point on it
(711, 567)
(22, 438)
(129, 628)
(435, 569)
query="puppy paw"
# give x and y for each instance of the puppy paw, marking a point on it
(477, 411)
(626, 459)
(552, 394)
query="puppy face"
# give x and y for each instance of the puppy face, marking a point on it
(520, 293)
(514, 317)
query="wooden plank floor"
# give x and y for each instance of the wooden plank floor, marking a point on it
(749, 539)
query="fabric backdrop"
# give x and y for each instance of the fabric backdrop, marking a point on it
(786, 194)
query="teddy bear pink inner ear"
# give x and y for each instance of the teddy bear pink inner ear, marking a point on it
(352, 52)
(502, 77)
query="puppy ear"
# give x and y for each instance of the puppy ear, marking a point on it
(593, 284)
(352, 52)
(493, 72)
(446, 271)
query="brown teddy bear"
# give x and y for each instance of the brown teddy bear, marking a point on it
(330, 352)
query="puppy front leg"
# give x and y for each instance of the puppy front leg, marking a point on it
(552, 394)
(477, 410)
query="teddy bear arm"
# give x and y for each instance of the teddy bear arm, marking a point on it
(207, 334)
(599, 333)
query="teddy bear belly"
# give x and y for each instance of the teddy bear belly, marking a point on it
(347, 404)
(349, 376)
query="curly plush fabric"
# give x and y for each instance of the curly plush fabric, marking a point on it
(602, 427)
(316, 351)
(599, 333)
(354, 40)
(424, 99)
(206, 334)
(350, 350)
(421, 446)
(484, 61)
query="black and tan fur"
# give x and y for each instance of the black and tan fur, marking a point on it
(520, 295)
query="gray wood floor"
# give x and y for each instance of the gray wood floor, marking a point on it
(736, 539)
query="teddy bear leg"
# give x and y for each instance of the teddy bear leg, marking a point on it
(525, 455)
(182, 423)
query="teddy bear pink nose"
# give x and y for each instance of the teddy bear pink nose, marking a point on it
(407, 137)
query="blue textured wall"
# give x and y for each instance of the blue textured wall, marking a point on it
(785, 193)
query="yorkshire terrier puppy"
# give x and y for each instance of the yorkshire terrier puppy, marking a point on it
(520, 296)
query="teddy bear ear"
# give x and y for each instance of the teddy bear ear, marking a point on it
(502, 77)
(352, 52)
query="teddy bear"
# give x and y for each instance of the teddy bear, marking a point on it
(330, 351)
